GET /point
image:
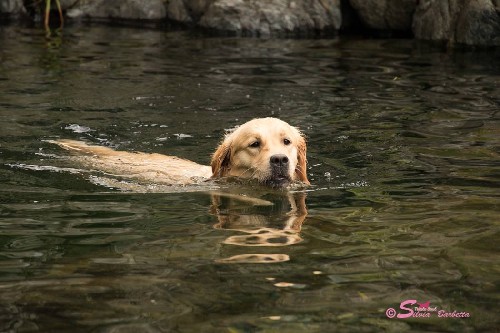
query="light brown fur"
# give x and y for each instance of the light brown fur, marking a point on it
(235, 157)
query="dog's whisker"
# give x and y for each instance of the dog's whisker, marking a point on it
(299, 171)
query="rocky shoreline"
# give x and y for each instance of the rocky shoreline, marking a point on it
(453, 22)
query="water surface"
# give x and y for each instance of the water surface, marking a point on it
(404, 146)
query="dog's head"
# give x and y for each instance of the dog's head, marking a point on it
(266, 149)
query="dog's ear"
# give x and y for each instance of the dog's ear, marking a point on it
(220, 160)
(301, 169)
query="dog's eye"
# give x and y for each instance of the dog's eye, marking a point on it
(255, 144)
(286, 142)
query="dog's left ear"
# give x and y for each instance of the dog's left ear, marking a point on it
(301, 169)
(220, 160)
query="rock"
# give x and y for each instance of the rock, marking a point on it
(468, 22)
(257, 17)
(177, 11)
(385, 14)
(123, 9)
(65, 4)
(187, 11)
(479, 24)
(241, 17)
(11, 7)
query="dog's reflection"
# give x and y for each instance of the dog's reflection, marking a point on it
(271, 220)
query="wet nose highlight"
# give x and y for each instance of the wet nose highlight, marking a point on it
(279, 159)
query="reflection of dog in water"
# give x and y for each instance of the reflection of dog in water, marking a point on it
(267, 150)
(277, 223)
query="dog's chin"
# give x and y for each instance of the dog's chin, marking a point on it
(278, 181)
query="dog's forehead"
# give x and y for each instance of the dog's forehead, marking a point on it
(266, 131)
(266, 127)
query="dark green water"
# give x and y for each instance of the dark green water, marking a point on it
(404, 152)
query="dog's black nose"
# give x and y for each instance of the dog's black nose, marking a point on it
(279, 160)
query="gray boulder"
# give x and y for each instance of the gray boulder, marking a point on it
(468, 22)
(123, 9)
(395, 15)
(11, 7)
(257, 17)
(187, 11)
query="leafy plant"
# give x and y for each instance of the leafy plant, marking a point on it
(42, 9)
(46, 20)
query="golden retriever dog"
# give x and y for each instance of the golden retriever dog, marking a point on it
(267, 150)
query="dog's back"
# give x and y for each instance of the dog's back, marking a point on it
(162, 169)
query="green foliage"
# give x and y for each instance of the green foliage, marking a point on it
(43, 8)
(47, 13)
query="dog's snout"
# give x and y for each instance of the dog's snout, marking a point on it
(279, 160)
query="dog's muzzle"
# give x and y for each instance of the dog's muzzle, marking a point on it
(280, 176)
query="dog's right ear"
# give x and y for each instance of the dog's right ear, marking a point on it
(301, 169)
(221, 160)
